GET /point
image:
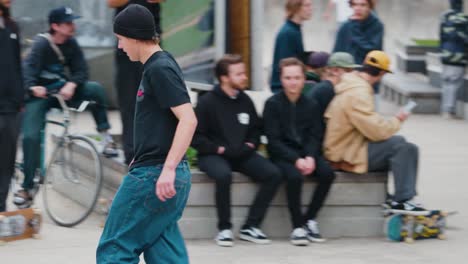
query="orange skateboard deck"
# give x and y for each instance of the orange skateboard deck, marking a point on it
(20, 224)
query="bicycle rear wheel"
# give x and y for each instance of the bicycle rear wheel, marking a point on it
(73, 181)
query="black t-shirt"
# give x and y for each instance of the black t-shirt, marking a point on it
(161, 88)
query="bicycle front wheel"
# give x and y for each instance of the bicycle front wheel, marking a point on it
(73, 181)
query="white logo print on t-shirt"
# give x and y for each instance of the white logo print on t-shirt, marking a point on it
(243, 118)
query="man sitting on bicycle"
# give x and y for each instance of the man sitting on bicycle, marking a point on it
(44, 73)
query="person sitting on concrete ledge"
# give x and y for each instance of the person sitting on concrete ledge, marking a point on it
(359, 140)
(291, 122)
(226, 138)
(44, 72)
(315, 63)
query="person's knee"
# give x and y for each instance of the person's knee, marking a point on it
(31, 137)
(412, 148)
(223, 177)
(397, 140)
(294, 179)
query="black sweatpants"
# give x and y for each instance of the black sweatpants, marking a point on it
(294, 181)
(258, 169)
(127, 80)
(8, 139)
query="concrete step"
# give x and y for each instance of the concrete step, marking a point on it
(351, 210)
(400, 87)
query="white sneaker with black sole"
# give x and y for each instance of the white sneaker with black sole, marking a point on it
(225, 238)
(313, 233)
(254, 235)
(299, 237)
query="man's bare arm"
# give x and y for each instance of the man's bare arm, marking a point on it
(182, 138)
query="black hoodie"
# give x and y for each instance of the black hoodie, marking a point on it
(228, 122)
(11, 87)
(292, 129)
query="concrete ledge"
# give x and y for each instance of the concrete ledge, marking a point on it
(351, 210)
(400, 88)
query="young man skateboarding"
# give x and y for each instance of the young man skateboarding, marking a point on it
(144, 213)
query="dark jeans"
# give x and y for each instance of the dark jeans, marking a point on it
(127, 80)
(34, 117)
(258, 169)
(140, 223)
(8, 140)
(325, 176)
(401, 158)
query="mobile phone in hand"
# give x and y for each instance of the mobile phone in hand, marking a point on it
(408, 108)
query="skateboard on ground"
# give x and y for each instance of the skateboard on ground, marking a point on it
(20, 224)
(408, 228)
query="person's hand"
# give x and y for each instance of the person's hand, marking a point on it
(221, 150)
(402, 115)
(39, 91)
(165, 185)
(250, 145)
(310, 165)
(301, 165)
(68, 90)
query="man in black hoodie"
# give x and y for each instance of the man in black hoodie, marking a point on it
(292, 125)
(227, 136)
(11, 98)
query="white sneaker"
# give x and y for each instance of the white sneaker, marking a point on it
(313, 233)
(225, 238)
(299, 237)
(109, 148)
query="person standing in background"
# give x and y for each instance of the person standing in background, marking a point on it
(288, 42)
(454, 48)
(11, 97)
(128, 75)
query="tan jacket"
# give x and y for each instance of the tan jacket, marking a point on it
(352, 122)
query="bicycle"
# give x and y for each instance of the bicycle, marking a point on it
(71, 185)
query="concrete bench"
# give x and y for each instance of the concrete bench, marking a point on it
(400, 88)
(351, 210)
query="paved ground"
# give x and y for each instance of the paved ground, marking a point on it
(442, 184)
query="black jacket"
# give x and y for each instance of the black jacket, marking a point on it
(42, 66)
(11, 86)
(228, 122)
(291, 129)
(321, 95)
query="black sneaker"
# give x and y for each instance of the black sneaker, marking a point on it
(254, 235)
(299, 237)
(110, 150)
(313, 233)
(408, 207)
(225, 238)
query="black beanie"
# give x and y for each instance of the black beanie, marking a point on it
(135, 22)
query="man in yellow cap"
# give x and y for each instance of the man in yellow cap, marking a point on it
(358, 139)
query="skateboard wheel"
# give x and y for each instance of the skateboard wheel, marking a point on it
(37, 211)
(441, 237)
(102, 201)
(37, 236)
(409, 240)
(2, 243)
(2, 217)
